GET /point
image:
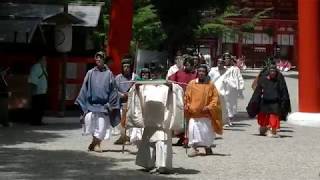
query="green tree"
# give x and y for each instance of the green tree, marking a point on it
(171, 24)
(147, 29)
(180, 18)
(221, 24)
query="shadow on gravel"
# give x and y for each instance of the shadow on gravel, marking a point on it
(63, 164)
(286, 130)
(215, 154)
(181, 170)
(281, 136)
(117, 150)
(246, 76)
(22, 133)
(282, 127)
(241, 116)
(14, 136)
(285, 136)
(174, 171)
(58, 127)
(235, 124)
(220, 154)
(233, 129)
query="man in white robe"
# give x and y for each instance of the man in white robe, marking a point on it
(230, 85)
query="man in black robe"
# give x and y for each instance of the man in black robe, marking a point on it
(270, 101)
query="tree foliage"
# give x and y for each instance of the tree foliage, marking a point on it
(180, 18)
(219, 24)
(171, 24)
(249, 26)
(147, 29)
(222, 24)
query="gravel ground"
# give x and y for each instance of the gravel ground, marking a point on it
(58, 151)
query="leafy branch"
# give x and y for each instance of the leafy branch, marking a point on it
(147, 30)
(222, 24)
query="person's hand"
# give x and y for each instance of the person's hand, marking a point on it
(186, 107)
(206, 109)
(125, 97)
(169, 84)
(113, 113)
(82, 117)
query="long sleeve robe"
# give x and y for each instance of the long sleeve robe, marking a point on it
(270, 96)
(230, 85)
(199, 95)
(99, 94)
(182, 78)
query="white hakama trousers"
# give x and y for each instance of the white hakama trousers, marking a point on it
(155, 149)
(135, 135)
(224, 111)
(201, 133)
(231, 102)
(98, 125)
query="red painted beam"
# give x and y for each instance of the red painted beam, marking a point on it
(309, 55)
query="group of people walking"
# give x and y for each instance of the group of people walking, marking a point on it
(209, 102)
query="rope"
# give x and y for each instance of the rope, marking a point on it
(152, 82)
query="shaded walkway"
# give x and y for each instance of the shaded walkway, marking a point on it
(28, 152)
(63, 164)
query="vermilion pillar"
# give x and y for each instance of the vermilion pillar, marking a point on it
(119, 32)
(309, 64)
(309, 55)
(239, 46)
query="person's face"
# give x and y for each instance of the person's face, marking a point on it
(202, 73)
(99, 61)
(153, 76)
(43, 62)
(188, 67)
(196, 61)
(145, 76)
(179, 62)
(228, 61)
(220, 64)
(272, 73)
(126, 69)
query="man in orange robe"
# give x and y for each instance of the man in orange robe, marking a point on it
(202, 108)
